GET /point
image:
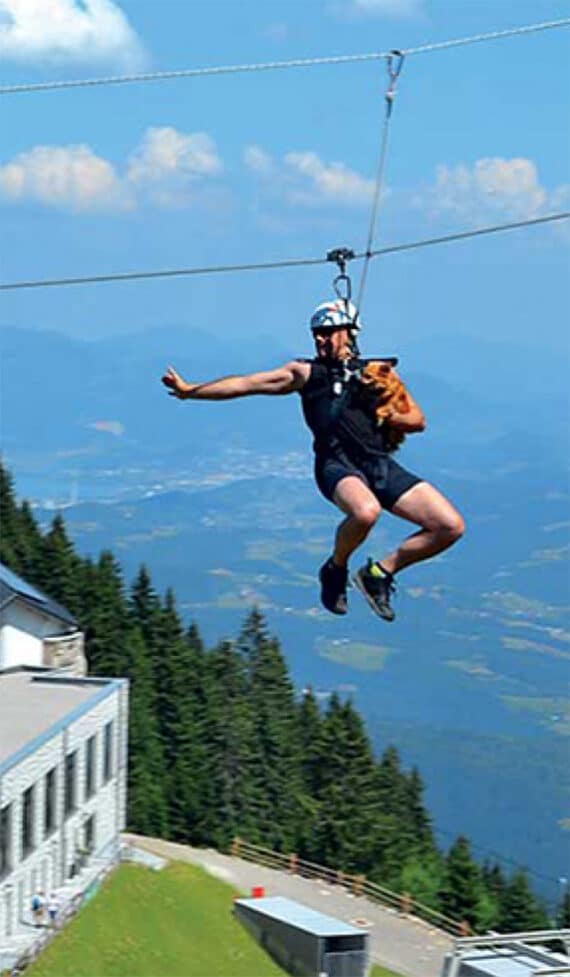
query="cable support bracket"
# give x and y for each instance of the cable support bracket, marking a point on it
(394, 64)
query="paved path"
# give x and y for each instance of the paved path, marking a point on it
(407, 946)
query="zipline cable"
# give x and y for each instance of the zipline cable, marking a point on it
(285, 263)
(394, 65)
(276, 65)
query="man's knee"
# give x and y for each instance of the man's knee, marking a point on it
(452, 527)
(366, 512)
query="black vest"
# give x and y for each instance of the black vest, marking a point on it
(340, 411)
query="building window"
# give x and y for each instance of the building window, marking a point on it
(90, 766)
(50, 802)
(28, 839)
(70, 783)
(5, 840)
(108, 752)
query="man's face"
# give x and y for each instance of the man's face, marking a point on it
(332, 344)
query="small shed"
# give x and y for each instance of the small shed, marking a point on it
(305, 942)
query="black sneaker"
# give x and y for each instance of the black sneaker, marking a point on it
(333, 587)
(377, 585)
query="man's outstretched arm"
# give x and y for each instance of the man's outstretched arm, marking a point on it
(283, 380)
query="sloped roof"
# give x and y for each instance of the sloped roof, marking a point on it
(11, 586)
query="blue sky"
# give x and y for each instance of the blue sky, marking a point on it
(281, 164)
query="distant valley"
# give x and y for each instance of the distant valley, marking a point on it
(471, 682)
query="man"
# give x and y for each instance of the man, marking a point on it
(353, 465)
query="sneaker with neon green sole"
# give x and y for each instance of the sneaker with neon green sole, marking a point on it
(377, 586)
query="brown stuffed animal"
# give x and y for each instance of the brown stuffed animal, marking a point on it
(390, 396)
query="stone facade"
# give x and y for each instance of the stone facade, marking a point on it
(85, 822)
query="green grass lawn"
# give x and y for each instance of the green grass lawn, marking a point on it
(173, 923)
(381, 972)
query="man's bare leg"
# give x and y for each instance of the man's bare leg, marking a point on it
(442, 525)
(363, 510)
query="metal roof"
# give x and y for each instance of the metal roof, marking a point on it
(287, 911)
(511, 963)
(11, 585)
(36, 704)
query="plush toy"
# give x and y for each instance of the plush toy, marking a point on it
(390, 396)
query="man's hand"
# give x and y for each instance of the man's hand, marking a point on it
(177, 386)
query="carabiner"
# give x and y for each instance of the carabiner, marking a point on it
(338, 288)
(394, 63)
(394, 71)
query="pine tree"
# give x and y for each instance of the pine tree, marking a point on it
(462, 889)
(563, 916)
(144, 604)
(147, 805)
(104, 616)
(29, 544)
(276, 752)
(417, 816)
(8, 522)
(396, 841)
(229, 802)
(422, 878)
(494, 880)
(347, 791)
(310, 723)
(520, 910)
(61, 567)
(189, 773)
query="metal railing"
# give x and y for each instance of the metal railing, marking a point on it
(358, 885)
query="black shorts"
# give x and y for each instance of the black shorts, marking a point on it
(383, 476)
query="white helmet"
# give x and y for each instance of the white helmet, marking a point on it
(336, 314)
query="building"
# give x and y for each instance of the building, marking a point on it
(509, 955)
(63, 772)
(303, 941)
(63, 760)
(35, 630)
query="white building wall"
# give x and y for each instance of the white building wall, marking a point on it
(19, 648)
(22, 630)
(51, 862)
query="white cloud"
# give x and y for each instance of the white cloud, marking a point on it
(304, 178)
(322, 181)
(257, 160)
(492, 187)
(398, 9)
(163, 171)
(72, 177)
(67, 30)
(165, 152)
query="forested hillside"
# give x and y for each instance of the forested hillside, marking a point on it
(221, 745)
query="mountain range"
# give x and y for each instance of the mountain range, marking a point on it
(471, 681)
